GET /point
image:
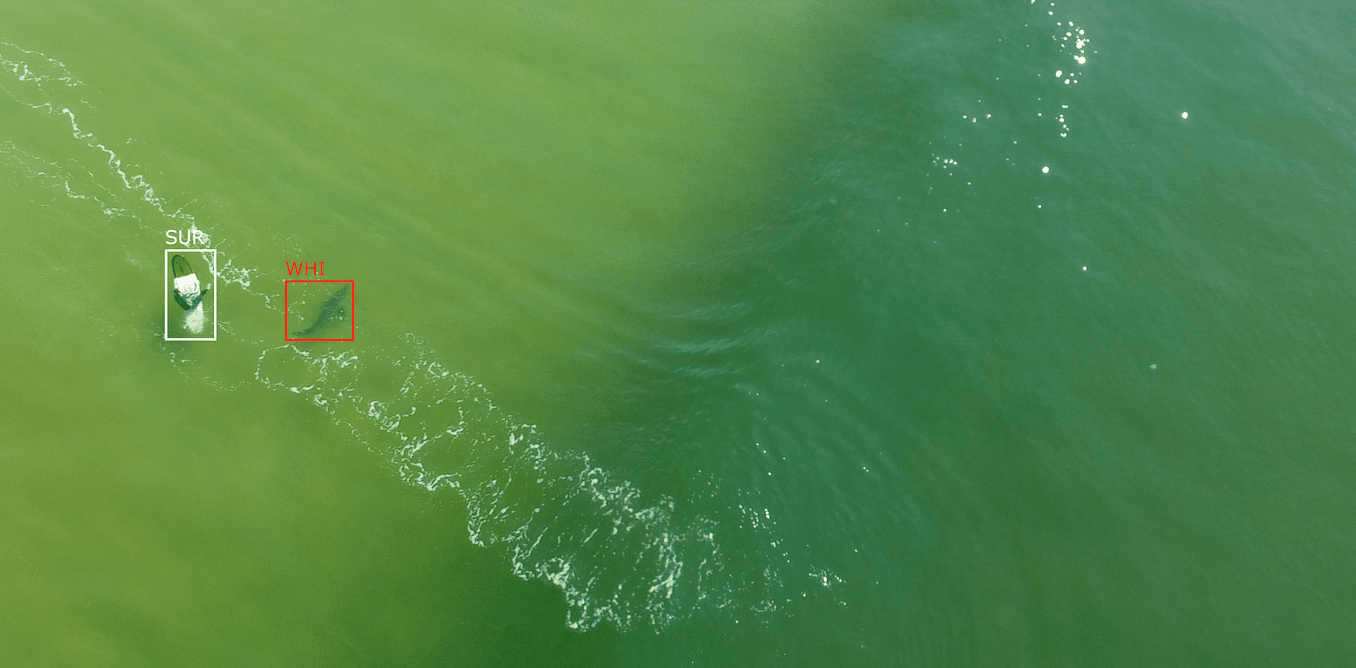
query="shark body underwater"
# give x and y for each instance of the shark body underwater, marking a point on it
(335, 308)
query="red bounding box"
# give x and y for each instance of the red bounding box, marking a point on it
(337, 305)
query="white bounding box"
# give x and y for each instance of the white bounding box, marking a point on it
(190, 287)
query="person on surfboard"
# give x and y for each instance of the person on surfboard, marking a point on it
(188, 292)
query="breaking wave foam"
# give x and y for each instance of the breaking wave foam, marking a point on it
(618, 557)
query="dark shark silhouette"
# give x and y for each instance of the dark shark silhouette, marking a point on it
(335, 308)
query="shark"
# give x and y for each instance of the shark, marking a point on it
(335, 308)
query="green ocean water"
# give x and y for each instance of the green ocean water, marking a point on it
(687, 334)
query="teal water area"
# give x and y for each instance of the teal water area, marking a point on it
(687, 334)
